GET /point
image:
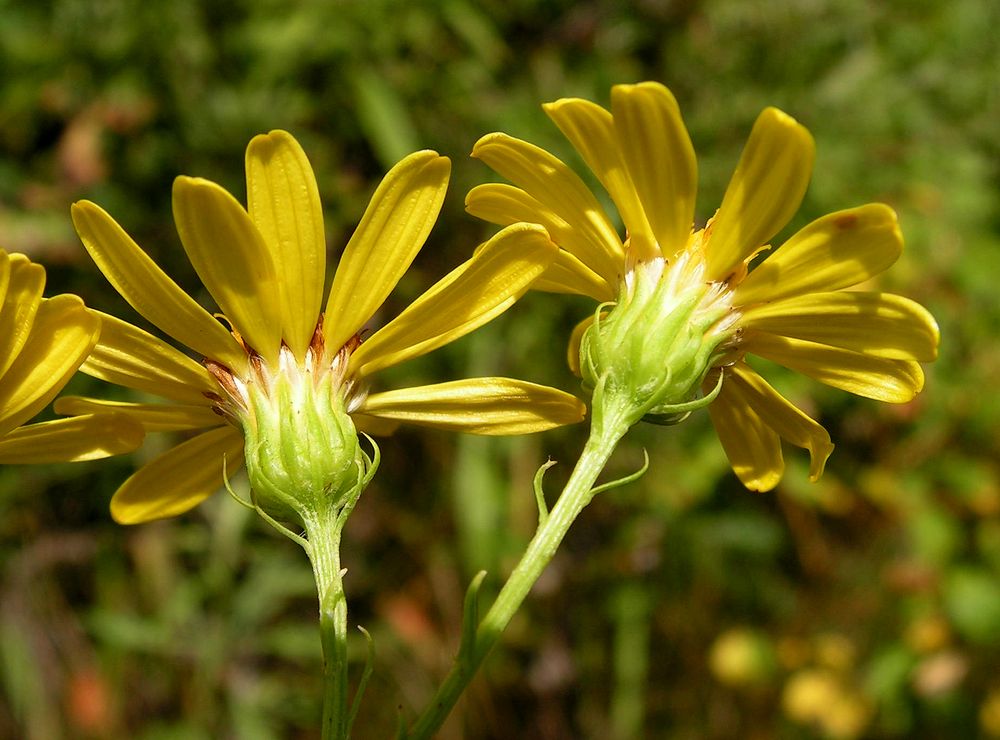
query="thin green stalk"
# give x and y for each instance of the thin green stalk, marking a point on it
(605, 434)
(324, 552)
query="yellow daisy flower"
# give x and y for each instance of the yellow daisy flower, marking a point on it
(265, 266)
(700, 292)
(42, 343)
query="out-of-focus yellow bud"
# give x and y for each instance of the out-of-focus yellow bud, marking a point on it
(743, 657)
(818, 697)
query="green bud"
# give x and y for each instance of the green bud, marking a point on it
(650, 352)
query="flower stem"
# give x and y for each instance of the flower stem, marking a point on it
(604, 437)
(324, 552)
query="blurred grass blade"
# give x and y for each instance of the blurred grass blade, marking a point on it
(363, 682)
(23, 681)
(383, 117)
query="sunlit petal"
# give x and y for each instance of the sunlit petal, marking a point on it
(548, 180)
(283, 203)
(62, 335)
(474, 293)
(22, 296)
(479, 406)
(149, 291)
(128, 356)
(152, 416)
(893, 381)
(836, 251)
(575, 339)
(753, 448)
(230, 257)
(71, 440)
(394, 228)
(764, 192)
(567, 274)
(505, 204)
(878, 324)
(781, 415)
(591, 130)
(660, 159)
(179, 479)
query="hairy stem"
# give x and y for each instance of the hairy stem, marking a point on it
(324, 552)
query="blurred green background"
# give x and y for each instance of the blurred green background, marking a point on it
(682, 606)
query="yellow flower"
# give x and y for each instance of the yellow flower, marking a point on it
(265, 267)
(791, 308)
(42, 343)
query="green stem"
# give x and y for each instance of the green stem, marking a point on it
(604, 437)
(324, 551)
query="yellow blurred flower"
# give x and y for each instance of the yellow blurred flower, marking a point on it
(818, 697)
(809, 693)
(265, 266)
(743, 657)
(791, 308)
(42, 343)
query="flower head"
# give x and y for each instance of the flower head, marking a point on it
(42, 343)
(288, 378)
(682, 307)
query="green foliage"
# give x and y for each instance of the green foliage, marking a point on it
(881, 579)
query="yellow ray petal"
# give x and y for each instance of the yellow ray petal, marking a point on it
(567, 274)
(153, 417)
(394, 228)
(179, 479)
(780, 415)
(150, 292)
(575, 339)
(71, 440)
(22, 296)
(128, 356)
(4, 274)
(764, 192)
(836, 251)
(62, 335)
(283, 202)
(892, 381)
(230, 257)
(548, 180)
(505, 204)
(479, 406)
(877, 324)
(753, 448)
(373, 425)
(591, 130)
(468, 297)
(660, 159)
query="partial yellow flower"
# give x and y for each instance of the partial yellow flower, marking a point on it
(792, 308)
(42, 343)
(265, 266)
